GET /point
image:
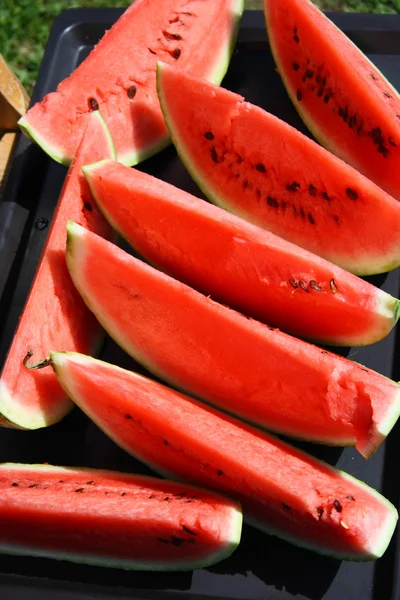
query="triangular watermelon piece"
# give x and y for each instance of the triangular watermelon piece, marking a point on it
(119, 76)
(55, 316)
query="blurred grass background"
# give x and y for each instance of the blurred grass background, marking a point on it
(25, 25)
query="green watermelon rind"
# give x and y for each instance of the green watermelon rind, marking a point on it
(364, 266)
(135, 157)
(58, 359)
(89, 559)
(313, 128)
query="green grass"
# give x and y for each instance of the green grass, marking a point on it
(25, 25)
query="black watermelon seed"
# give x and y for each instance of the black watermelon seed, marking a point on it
(209, 135)
(309, 73)
(80, 490)
(327, 98)
(337, 505)
(132, 92)
(311, 219)
(304, 78)
(176, 541)
(88, 206)
(312, 190)
(14, 484)
(326, 196)
(123, 494)
(34, 485)
(373, 77)
(187, 501)
(304, 287)
(151, 51)
(352, 194)
(383, 150)
(128, 416)
(219, 472)
(166, 499)
(151, 496)
(293, 283)
(176, 53)
(239, 159)
(286, 506)
(271, 201)
(260, 167)
(296, 38)
(349, 497)
(336, 218)
(293, 187)
(189, 531)
(214, 155)
(295, 66)
(387, 95)
(171, 36)
(166, 442)
(298, 95)
(163, 540)
(41, 223)
(302, 213)
(315, 286)
(391, 141)
(324, 351)
(61, 481)
(245, 183)
(93, 104)
(89, 482)
(333, 286)
(320, 512)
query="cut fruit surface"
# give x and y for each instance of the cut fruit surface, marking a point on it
(283, 491)
(197, 35)
(341, 96)
(113, 519)
(238, 263)
(253, 164)
(55, 315)
(236, 363)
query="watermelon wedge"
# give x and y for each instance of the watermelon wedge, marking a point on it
(119, 76)
(252, 163)
(341, 96)
(54, 314)
(283, 491)
(113, 519)
(239, 264)
(245, 367)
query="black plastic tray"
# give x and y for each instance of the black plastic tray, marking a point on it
(263, 567)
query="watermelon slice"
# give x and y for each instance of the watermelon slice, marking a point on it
(113, 519)
(119, 76)
(341, 96)
(237, 263)
(252, 163)
(55, 315)
(236, 363)
(283, 491)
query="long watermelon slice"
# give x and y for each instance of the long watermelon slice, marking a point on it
(252, 163)
(239, 264)
(119, 75)
(346, 102)
(283, 491)
(113, 519)
(55, 315)
(236, 363)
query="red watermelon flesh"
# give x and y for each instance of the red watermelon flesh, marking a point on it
(54, 314)
(341, 96)
(239, 264)
(252, 163)
(119, 75)
(282, 490)
(113, 519)
(247, 368)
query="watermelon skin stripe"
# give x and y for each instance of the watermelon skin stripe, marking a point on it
(202, 447)
(246, 368)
